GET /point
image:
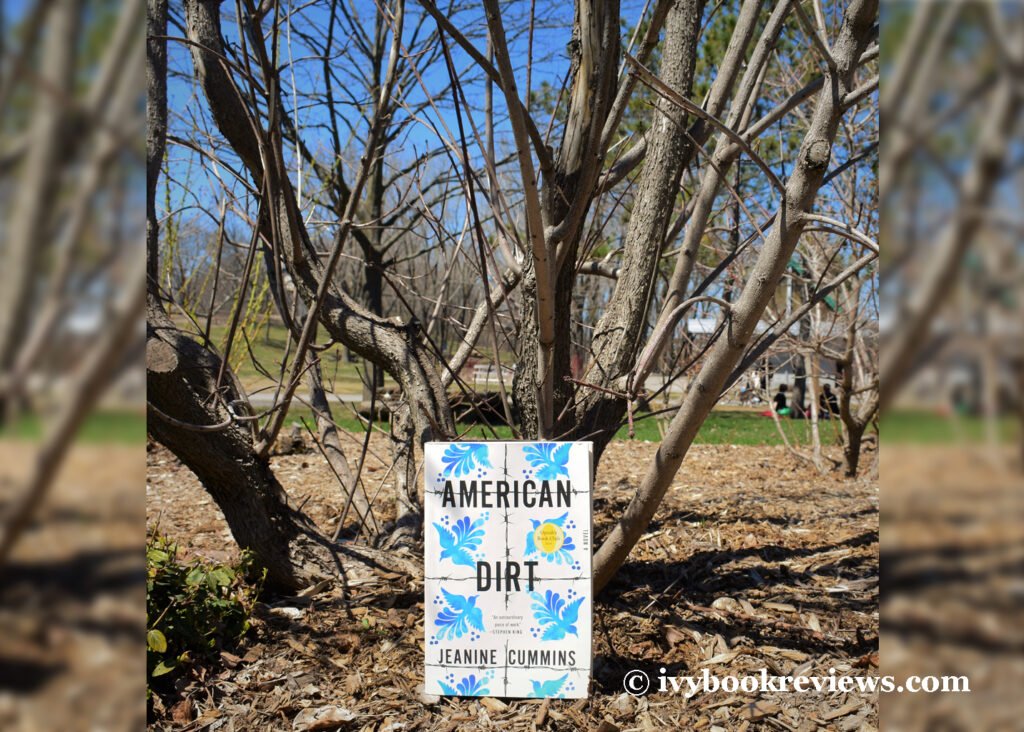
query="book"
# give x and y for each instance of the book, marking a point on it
(508, 583)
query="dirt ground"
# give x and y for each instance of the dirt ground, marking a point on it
(72, 598)
(754, 560)
(953, 585)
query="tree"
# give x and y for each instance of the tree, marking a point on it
(535, 218)
(69, 100)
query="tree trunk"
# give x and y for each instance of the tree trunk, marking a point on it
(207, 425)
(181, 384)
(621, 329)
(200, 424)
(568, 193)
(28, 238)
(851, 448)
(396, 347)
(800, 192)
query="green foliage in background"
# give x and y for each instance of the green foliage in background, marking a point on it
(113, 427)
(193, 609)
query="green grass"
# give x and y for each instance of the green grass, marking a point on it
(744, 427)
(268, 345)
(723, 427)
(117, 427)
(928, 428)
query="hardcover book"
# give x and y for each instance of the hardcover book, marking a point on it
(508, 582)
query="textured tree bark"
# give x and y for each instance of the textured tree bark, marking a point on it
(600, 413)
(156, 125)
(725, 153)
(851, 448)
(396, 347)
(855, 421)
(620, 330)
(800, 192)
(182, 385)
(205, 424)
(566, 198)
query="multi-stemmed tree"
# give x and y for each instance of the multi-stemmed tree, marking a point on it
(544, 209)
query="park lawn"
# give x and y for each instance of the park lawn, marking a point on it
(267, 345)
(123, 427)
(723, 427)
(928, 428)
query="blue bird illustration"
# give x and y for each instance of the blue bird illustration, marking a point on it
(454, 621)
(543, 689)
(548, 459)
(468, 686)
(555, 615)
(464, 537)
(462, 458)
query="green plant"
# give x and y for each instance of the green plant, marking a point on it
(193, 609)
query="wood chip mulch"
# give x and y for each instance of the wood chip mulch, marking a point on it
(754, 560)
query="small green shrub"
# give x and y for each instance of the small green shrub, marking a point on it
(193, 609)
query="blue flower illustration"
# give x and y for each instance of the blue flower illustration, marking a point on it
(556, 616)
(548, 459)
(550, 688)
(551, 540)
(461, 613)
(464, 537)
(468, 686)
(460, 458)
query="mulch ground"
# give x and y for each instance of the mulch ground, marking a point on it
(953, 584)
(754, 561)
(72, 597)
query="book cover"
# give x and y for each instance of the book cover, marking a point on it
(508, 581)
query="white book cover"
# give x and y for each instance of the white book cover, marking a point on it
(508, 584)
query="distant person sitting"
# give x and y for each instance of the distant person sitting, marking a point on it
(781, 404)
(828, 404)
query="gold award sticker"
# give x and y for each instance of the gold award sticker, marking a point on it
(549, 538)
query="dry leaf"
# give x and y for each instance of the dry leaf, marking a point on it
(230, 659)
(868, 659)
(673, 635)
(354, 683)
(849, 708)
(727, 604)
(492, 704)
(321, 718)
(721, 658)
(184, 711)
(755, 711)
(292, 613)
(782, 607)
